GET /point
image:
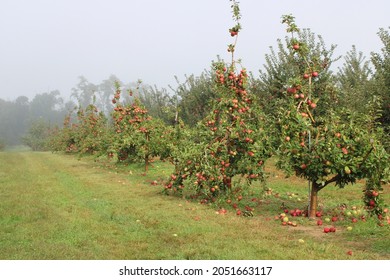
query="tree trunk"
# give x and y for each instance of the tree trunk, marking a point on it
(313, 200)
(146, 163)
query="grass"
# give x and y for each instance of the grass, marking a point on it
(54, 206)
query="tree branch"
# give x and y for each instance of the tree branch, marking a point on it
(332, 180)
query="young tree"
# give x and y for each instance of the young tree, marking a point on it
(230, 144)
(138, 137)
(337, 147)
(64, 139)
(92, 133)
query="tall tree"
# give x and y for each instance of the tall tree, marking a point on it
(381, 63)
(104, 92)
(195, 95)
(159, 103)
(13, 119)
(84, 92)
(354, 81)
(47, 106)
(281, 68)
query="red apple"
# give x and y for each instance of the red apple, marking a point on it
(291, 90)
(319, 223)
(326, 230)
(296, 47)
(314, 74)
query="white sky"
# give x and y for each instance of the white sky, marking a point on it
(46, 44)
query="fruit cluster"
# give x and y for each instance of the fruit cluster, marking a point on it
(139, 137)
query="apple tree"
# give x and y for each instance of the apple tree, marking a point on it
(381, 62)
(91, 135)
(64, 139)
(229, 147)
(137, 136)
(338, 147)
(88, 134)
(37, 135)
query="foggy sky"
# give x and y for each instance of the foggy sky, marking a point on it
(47, 44)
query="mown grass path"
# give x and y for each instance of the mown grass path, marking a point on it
(54, 206)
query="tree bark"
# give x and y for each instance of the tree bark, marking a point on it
(315, 188)
(146, 163)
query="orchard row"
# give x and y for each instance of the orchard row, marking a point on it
(227, 150)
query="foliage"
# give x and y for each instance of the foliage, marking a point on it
(37, 136)
(381, 63)
(195, 96)
(138, 137)
(283, 65)
(337, 147)
(91, 135)
(159, 103)
(354, 82)
(283, 74)
(65, 138)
